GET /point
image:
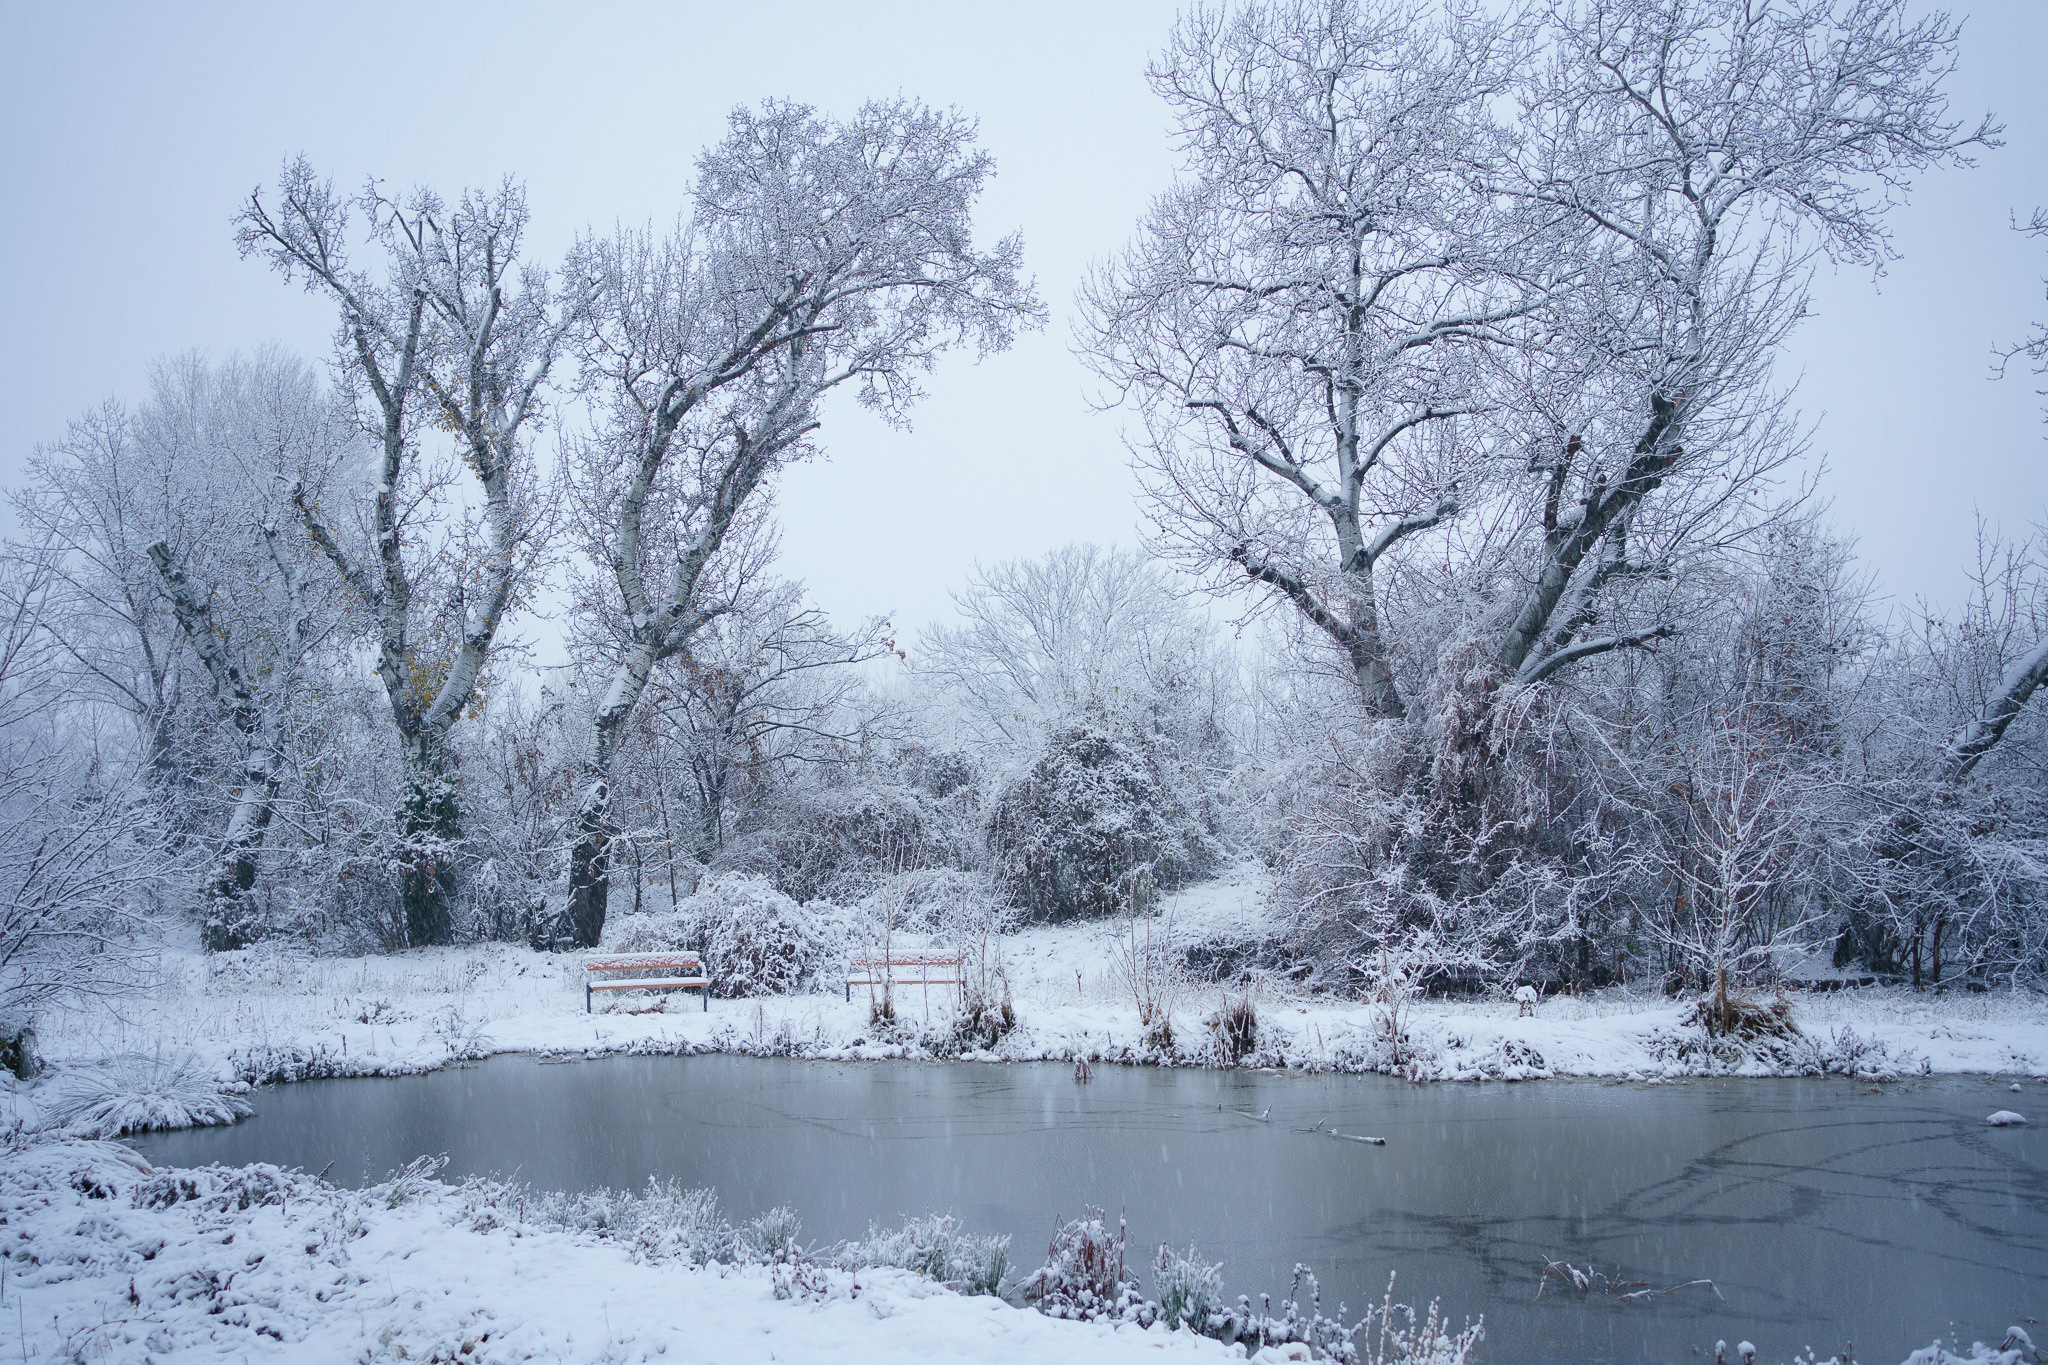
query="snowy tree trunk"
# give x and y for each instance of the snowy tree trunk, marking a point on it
(229, 914)
(228, 917)
(429, 823)
(590, 859)
(590, 865)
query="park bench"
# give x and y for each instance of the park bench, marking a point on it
(644, 972)
(908, 969)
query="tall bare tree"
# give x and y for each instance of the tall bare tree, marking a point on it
(452, 333)
(818, 255)
(1418, 256)
(1713, 151)
(1305, 320)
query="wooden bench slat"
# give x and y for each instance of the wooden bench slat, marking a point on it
(906, 969)
(656, 972)
(651, 983)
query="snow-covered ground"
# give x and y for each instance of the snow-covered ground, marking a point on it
(267, 1014)
(107, 1260)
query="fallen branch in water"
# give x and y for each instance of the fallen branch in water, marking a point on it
(1592, 1281)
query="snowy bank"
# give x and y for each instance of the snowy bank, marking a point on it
(107, 1259)
(266, 1015)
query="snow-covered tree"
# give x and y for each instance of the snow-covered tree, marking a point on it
(1305, 324)
(762, 691)
(818, 255)
(1082, 631)
(2035, 348)
(451, 333)
(78, 848)
(1103, 816)
(259, 614)
(1711, 151)
(191, 599)
(1536, 269)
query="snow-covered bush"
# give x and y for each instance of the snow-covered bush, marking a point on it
(987, 1014)
(1098, 807)
(1084, 1275)
(1235, 1028)
(947, 901)
(1188, 1287)
(674, 932)
(758, 941)
(770, 1239)
(937, 1248)
(664, 1222)
(679, 1224)
(139, 1094)
(2017, 1349)
(668, 1222)
(838, 842)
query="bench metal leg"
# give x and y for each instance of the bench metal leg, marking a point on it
(586, 997)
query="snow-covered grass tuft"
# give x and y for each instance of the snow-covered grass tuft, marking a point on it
(1404, 1337)
(1084, 1275)
(664, 1222)
(136, 1093)
(1188, 1287)
(771, 1238)
(938, 1249)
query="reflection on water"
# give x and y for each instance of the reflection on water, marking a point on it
(1823, 1211)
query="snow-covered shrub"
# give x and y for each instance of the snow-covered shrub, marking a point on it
(1845, 1052)
(463, 1036)
(411, 1182)
(837, 843)
(2017, 1349)
(1403, 1339)
(502, 901)
(664, 1222)
(679, 1224)
(946, 901)
(1084, 1275)
(1188, 1287)
(1726, 1015)
(758, 941)
(139, 1094)
(986, 1012)
(771, 1238)
(221, 1189)
(1235, 1028)
(936, 1248)
(673, 932)
(1098, 808)
(1145, 962)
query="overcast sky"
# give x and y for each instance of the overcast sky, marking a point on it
(131, 134)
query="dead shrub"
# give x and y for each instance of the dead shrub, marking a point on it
(1235, 1029)
(1725, 1014)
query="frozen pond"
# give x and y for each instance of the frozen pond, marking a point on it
(1823, 1211)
